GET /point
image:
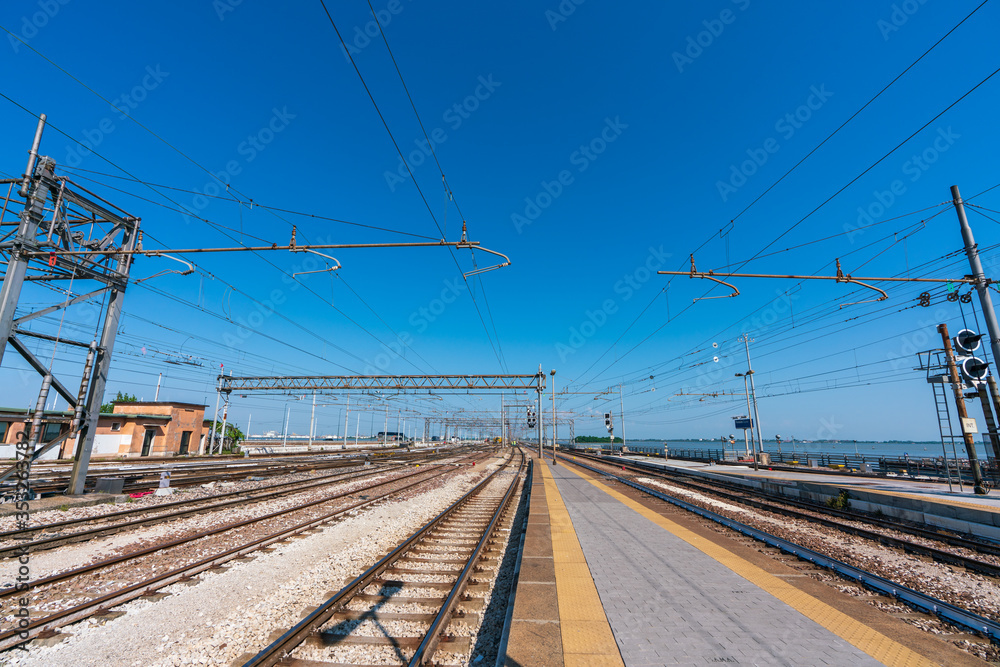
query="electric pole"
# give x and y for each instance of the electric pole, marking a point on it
(621, 403)
(753, 394)
(963, 414)
(554, 431)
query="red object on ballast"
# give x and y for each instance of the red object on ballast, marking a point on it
(140, 494)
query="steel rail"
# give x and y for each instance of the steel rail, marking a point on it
(947, 611)
(279, 648)
(115, 598)
(936, 535)
(50, 542)
(251, 495)
(68, 574)
(428, 646)
(516, 574)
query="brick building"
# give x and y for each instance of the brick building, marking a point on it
(150, 429)
(131, 430)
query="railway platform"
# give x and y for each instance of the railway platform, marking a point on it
(920, 501)
(608, 578)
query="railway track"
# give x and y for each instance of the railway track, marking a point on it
(94, 581)
(407, 607)
(71, 531)
(140, 476)
(955, 614)
(842, 520)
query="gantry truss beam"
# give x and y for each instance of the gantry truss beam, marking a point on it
(394, 383)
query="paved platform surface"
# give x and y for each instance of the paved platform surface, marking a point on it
(669, 603)
(931, 490)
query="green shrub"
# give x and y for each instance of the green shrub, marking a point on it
(841, 502)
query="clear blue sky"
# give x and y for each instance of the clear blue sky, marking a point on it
(592, 143)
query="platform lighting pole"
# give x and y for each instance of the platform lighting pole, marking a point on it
(554, 427)
(284, 431)
(312, 421)
(385, 429)
(503, 432)
(746, 390)
(956, 383)
(538, 411)
(215, 416)
(621, 404)
(347, 417)
(982, 289)
(972, 250)
(225, 420)
(753, 394)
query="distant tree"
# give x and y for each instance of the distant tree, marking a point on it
(233, 436)
(594, 438)
(120, 398)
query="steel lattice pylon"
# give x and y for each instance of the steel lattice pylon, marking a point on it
(60, 216)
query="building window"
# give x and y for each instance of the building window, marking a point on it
(147, 442)
(51, 432)
(116, 426)
(4, 427)
(185, 443)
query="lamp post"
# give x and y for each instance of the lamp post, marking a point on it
(554, 432)
(621, 404)
(746, 390)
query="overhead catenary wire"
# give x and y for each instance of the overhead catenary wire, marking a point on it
(815, 209)
(497, 350)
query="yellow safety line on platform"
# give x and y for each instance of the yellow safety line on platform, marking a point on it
(869, 640)
(852, 483)
(586, 635)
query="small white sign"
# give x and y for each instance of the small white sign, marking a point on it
(969, 425)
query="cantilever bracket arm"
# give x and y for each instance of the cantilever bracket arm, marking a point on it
(330, 268)
(189, 270)
(475, 272)
(841, 278)
(693, 273)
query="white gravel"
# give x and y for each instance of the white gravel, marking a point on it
(233, 612)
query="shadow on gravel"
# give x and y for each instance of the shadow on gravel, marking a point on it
(495, 613)
(334, 634)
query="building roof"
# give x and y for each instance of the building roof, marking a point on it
(171, 403)
(132, 415)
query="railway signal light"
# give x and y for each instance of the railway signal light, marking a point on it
(607, 421)
(974, 370)
(967, 342)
